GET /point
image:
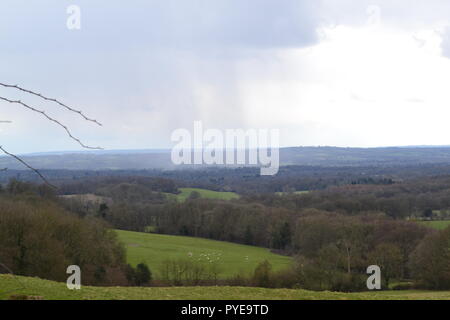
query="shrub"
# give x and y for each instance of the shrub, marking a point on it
(403, 286)
(262, 274)
(188, 272)
(430, 262)
(143, 274)
(139, 276)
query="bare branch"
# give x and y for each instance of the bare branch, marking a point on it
(50, 99)
(28, 166)
(51, 119)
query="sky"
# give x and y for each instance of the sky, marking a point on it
(324, 72)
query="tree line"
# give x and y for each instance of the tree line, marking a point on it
(38, 237)
(333, 234)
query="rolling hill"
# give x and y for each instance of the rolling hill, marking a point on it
(232, 258)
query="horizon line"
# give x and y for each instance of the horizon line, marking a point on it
(162, 150)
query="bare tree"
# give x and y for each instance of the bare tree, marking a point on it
(51, 119)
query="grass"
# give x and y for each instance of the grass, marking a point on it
(233, 258)
(438, 224)
(51, 290)
(295, 192)
(204, 193)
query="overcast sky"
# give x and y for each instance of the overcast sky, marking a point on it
(325, 72)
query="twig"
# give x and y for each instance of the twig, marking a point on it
(50, 99)
(51, 119)
(28, 166)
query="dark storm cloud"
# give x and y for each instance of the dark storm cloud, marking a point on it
(145, 67)
(193, 25)
(446, 43)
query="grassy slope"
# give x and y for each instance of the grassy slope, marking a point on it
(295, 192)
(208, 194)
(58, 291)
(153, 249)
(439, 225)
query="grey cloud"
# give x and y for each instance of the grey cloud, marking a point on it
(186, 25)
(446, 43)
(137, 63)
(400, 13)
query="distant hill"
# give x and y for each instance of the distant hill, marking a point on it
(160, 158)
(94, 160)
(334, 156)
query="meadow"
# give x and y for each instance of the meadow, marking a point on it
(294, 192)
(204, 193)
(437, 224)
(232, 258)
(50, 290)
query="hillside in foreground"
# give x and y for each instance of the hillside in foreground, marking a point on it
(50, 290)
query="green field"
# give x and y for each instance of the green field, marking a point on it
(204, 193)
(233, 258)
(439, 225)
(295, 192)
(49, 290)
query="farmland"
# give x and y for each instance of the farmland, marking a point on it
(204, 193)
(232, 258)
(438, 224)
